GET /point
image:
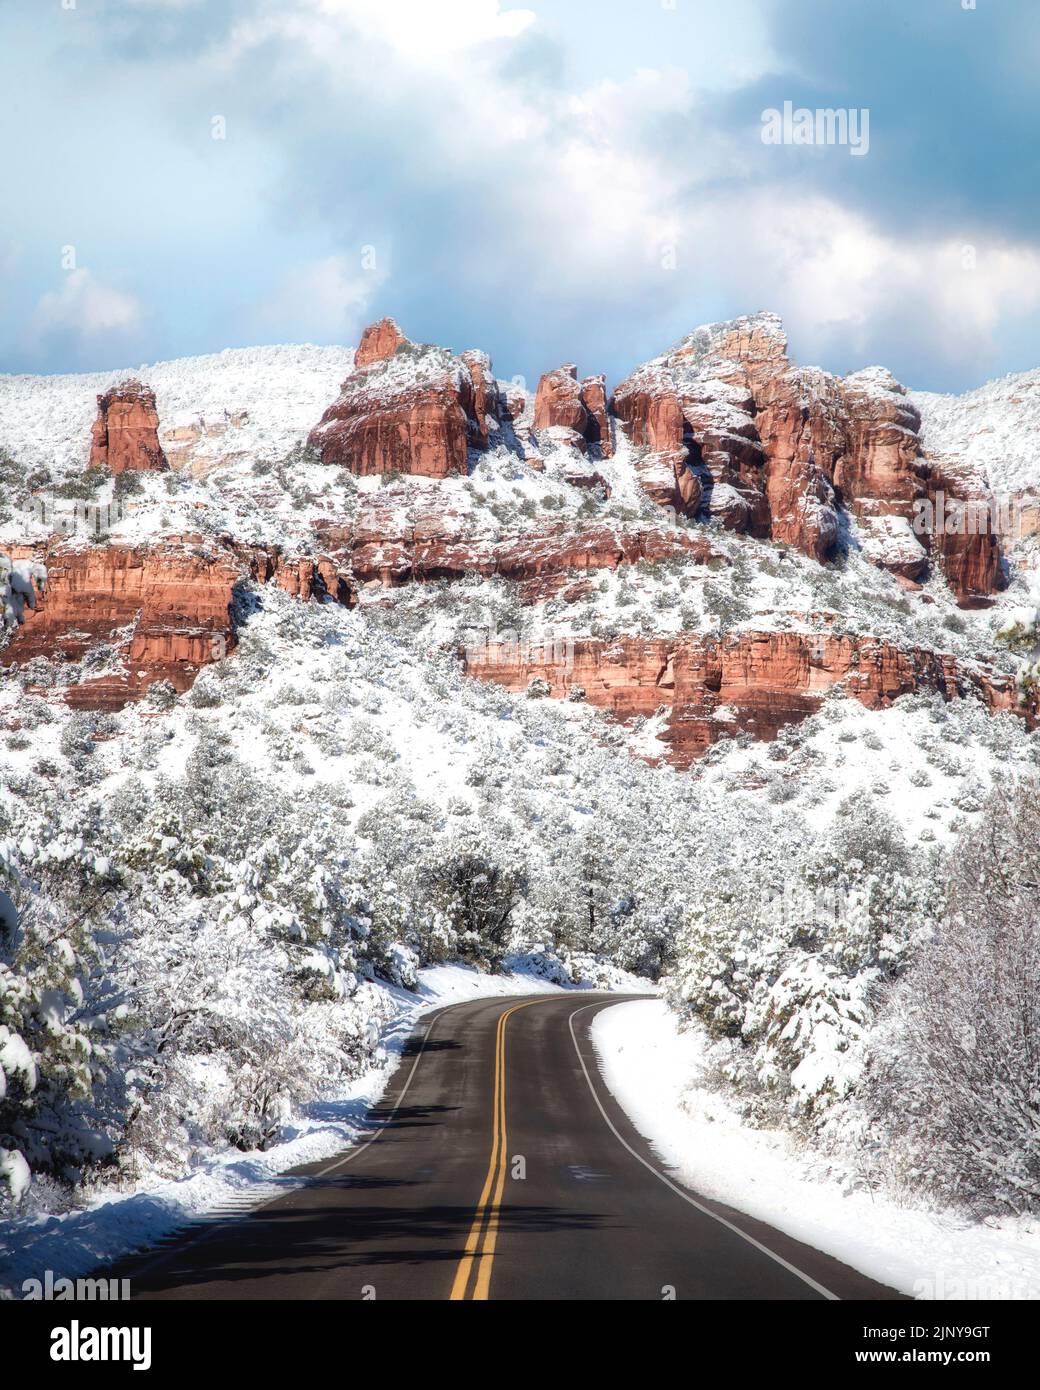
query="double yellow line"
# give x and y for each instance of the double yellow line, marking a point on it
(479, 1254)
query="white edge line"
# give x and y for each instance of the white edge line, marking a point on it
(360, 1148)
(680, 1192)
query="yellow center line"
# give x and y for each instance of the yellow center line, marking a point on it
(495, 1180)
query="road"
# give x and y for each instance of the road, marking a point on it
(498, 1166)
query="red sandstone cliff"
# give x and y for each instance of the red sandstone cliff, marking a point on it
(393, 543)
(378, 342)
(756, 682)
(726, 428)
(407, 408)
(777, 449)
(563, 402)
(125, 435)
(165, 611)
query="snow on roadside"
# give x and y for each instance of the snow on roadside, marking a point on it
(652, 1070)
(77, 1242)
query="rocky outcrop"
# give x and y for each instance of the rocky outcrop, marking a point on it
(963, 528)
(779, 450)
(879, 477)
(486, 410)
(598, 430)
(754, 682)
(125, 436)
(391, 543)
(799, 420)
(514, 403)
(417, 410)
(378, 342)
(160, 612)
(558, 401)
(562, 402)
(726, 403)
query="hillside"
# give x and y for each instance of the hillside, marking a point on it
(349, 664)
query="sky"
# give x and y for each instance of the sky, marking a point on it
(567, 180)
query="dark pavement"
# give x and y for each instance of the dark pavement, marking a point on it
(500, 1167)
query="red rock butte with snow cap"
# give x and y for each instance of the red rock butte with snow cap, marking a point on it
(407, 408)
(125, 435)
(378, 342)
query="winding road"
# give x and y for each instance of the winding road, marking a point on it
(497, 1166)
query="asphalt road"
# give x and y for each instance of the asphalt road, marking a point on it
(499, 1167)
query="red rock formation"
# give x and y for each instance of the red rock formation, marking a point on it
(563, 403)
(514, 402)
(798, 417)
(581, 474)
(379, 341)
(392, 544)
(879, 478)
(125, 435)
(415, 411)
(756, 682)
(960, 529)
(558, 401)
(653, 414)
(773, 444)
(699, 405)
(165, 611)
(486, 403)
(594, 398)
(667, 480)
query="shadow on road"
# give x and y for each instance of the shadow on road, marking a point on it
(328, 1238)
(414, 1046)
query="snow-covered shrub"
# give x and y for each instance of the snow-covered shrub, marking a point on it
(19, 582)
(1017, 629)
(475, 899)
(725, 604)
(953, 1084)
(786, 955)
(161, 696)
(54, 1050)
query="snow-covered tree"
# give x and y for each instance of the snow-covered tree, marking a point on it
(954, 1078)
(55, 1052)
(787, 951)
(19, 582)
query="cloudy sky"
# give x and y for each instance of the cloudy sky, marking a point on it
(568, 180)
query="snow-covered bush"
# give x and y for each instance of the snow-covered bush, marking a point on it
(953, 1085)
(784, 957)
(55, 1053)
(475, 899)
(19, 582)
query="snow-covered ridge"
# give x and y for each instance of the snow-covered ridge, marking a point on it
(274, 396)
(995, 427)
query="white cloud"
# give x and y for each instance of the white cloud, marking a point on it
(532, 201)
(422, 30)
(84, 310)
(845, 286)
(326, 299)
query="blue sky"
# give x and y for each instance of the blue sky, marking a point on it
(571, 180)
